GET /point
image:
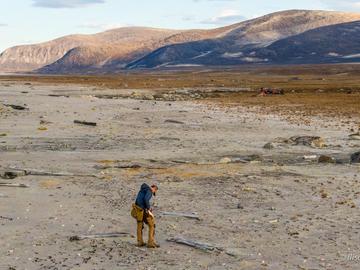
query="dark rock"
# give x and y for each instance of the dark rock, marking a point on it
(269, 146)
(326, 159)
(12, 174)
(355, 158)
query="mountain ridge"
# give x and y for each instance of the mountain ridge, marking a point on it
(146, 47)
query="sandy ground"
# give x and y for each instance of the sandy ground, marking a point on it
(277, 211)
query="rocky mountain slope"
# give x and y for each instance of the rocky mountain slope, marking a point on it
(115, 56)
(113, 48)
(140, 47)
(30, 57)
(240, 45)
(336, 43)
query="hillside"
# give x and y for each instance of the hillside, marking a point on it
(247, 37)
(336, 43)
(252, 41)
(30, 57)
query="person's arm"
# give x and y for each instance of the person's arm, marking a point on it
(147, 198)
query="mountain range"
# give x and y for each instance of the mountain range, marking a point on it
(294, 37)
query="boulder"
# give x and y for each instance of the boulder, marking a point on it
(269, 146)
(355, 158)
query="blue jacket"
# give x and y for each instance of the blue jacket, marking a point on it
(143, 197)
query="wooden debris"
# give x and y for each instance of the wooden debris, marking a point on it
(181, 161)
(85, 123)
(16, 107)
(122, 166)
(240, 159)
(127, 166)
(6, 218)
(99, 235)
(174, 121)
(355, 136)
(195, 244)
(177, 214)
(45, 173)
(13, 185)
(54, 95)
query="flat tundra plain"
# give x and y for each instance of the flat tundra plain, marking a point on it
(276, 207)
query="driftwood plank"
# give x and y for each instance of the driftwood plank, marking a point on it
(174, 121)
(16, 107)
(178, 214)
(99, 235)
(6, 218)
(85, 123)
(45, 173)
(13, 185)
(122, 166)
(195, 244)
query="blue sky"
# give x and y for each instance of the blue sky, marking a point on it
(32, 21)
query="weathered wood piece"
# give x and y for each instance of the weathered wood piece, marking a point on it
(178, 214)
(85, 123)
(55, 95)
(16, 107)
(174, 122)
(6, 218)
(121, 166)
(13, 185)
(28, 171)
(195, 244)
(99, 235)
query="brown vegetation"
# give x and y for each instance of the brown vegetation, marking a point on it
(310, 89)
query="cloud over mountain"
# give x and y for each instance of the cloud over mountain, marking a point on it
(228, 16)
(65, 3)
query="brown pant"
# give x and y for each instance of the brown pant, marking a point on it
(142, 217)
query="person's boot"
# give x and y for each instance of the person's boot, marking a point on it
(152, 243)
(140, 241)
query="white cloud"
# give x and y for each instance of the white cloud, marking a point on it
(227, 16)
(65, 3)
(349, 5)
(102, 26)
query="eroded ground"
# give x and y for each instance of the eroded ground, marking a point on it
(272, 209)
